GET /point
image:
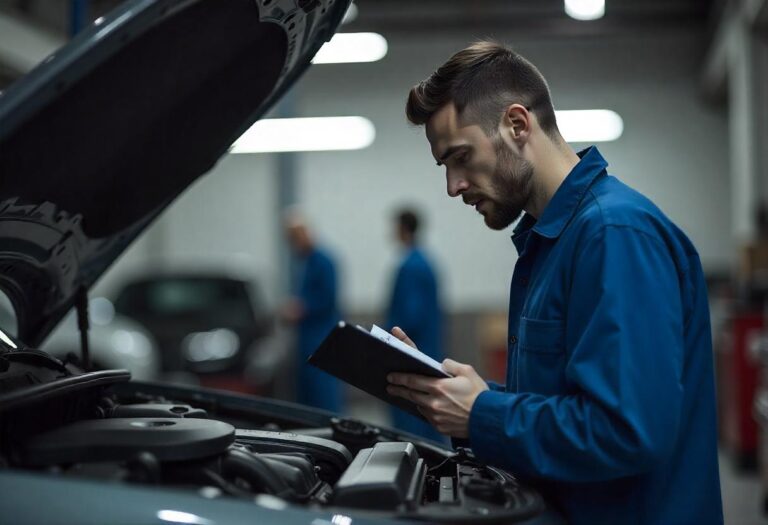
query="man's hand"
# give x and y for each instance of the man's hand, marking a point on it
(446, 403)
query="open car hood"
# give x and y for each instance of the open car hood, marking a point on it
(105, 133)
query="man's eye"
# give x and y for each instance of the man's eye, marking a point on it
(463, 158)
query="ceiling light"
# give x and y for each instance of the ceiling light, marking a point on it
(352, 47)
(585, 9)
(590, 125)
(306, 134)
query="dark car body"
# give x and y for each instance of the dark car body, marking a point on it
(206, 323)
(94, 144)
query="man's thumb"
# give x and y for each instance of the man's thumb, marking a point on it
(452, 367)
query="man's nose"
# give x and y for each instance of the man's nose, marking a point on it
(456, 185)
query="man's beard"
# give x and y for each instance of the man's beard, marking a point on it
(511, 185)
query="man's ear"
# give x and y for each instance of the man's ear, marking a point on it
(516, 123)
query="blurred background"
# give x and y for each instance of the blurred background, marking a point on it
(680, 88)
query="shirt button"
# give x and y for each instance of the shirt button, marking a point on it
(524, 281)
(512, 339)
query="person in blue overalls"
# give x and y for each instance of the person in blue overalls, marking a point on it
(609, 401)
(415, 308)
(313, 310)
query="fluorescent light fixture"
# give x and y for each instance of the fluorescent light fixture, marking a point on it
(352, 47)
(585, 9)
(590, 125)
(306, 134)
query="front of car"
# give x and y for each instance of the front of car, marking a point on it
(207, 323)
(94, 144)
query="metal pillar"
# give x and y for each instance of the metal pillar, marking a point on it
(286, 174)
(737, 68)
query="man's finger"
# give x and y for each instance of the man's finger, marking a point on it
(400, 334)
(455, 368)
(420, 398)
(427, 413)
(414, 382)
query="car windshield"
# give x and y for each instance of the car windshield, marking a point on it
(175, 297)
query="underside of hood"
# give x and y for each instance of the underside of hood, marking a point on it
(105, 133)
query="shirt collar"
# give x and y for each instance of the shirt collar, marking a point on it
(567, 198)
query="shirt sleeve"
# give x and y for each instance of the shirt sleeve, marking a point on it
(624, 355)
(495, 387)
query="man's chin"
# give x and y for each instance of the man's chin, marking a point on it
(495, 224)
(498, 221)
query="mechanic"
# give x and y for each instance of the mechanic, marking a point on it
(414, 306)
(313, 310)
(609, 402)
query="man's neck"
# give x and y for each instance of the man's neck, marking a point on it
(553, 161)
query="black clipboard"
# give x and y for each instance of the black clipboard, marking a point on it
(358, 358)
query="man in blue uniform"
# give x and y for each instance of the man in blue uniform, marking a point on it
(609, 397)
(415, 308)
(313, 309)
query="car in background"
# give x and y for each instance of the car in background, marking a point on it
(94, 144)
(114, 340)
(207, 323)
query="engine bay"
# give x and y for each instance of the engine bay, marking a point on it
(222, 445)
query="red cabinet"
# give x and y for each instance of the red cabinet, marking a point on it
(738, 373)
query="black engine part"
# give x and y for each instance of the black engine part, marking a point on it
(332, 458)
(123, 438)
(158, 410)
(289, 477)
(382, 478)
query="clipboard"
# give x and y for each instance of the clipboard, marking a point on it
(360, 359)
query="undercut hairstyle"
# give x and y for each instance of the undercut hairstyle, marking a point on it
(409, 221)
(482, 81)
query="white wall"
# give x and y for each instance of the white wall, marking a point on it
(224, 221)
(674, 149)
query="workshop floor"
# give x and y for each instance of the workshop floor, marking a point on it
(742, 495)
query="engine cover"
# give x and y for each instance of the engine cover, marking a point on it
(120, 439)
(382, 478)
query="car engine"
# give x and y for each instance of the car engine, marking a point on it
(100, 426)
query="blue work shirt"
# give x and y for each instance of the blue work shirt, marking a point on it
(415, 303)
(415, 307)
(317, 292)
(609, 404)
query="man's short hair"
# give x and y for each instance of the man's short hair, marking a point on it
(408, 220)
(482, 81)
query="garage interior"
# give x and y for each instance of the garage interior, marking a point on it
(688, 79)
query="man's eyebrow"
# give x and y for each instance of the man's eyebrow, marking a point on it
(450, 151)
